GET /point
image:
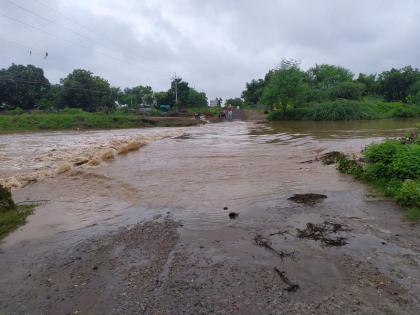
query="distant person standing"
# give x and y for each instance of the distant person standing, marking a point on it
(230, 113)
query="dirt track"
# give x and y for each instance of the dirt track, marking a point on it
(171, 248)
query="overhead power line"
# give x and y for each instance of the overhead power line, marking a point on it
(143, 64)
(61, 38)
(65, 16)
(49, 20)
(41, 30)
(134, 54)
(30, 48)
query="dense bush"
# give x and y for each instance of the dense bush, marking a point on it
(393, 167)
(293, 114)
(383, 152)
(406, 164)
(341, 110)
(409, 193)
(348, 90)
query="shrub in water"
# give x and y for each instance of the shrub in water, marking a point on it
(350, 166)
(6, 201)
(383, 152)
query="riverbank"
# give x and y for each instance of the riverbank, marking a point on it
(366, 109)
(392, 167)
(80, 120)
(11, 215)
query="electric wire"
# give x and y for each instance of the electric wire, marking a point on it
(71, 30)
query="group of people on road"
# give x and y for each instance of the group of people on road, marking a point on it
(226, 113)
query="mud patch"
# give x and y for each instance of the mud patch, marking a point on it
(307, 199)
(113, 274)
(327, 232)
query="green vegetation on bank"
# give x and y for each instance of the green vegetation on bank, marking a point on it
(11, 215)
(349, 110)
(329, 92)
(393, 167)
(78, 119)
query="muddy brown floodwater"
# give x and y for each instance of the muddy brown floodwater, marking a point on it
(150, 232)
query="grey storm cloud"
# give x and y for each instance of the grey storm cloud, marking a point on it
(216, 45)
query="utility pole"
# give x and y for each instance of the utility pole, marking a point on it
(175, 78)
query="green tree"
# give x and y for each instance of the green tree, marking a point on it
(253, 91)
(413, 90)
(394, 84)
(162, 98)
(81, 89)
(326, 76)
(149, 99)
(286, 86)
(117, 95)
(234, 102)
(22, 86)
(181, 89)
(196, 99)
(348, 90)
(133, 97)
(370, 83)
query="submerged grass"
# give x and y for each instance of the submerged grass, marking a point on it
(11, 220)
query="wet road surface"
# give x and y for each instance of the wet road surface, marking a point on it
(148, 232)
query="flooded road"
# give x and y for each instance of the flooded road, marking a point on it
(147, 232)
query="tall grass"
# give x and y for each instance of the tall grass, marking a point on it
(77, 119)
(349, 110)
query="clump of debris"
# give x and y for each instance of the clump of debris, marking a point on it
(326, 232)
(307, 199)
(263, 241)
(291, 287)
(331, 157)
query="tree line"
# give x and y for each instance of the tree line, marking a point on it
(26, 87)
(288, 87)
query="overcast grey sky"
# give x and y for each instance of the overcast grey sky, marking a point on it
(215, 45)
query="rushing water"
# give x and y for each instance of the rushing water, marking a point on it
(190, 176)
(241, 165)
